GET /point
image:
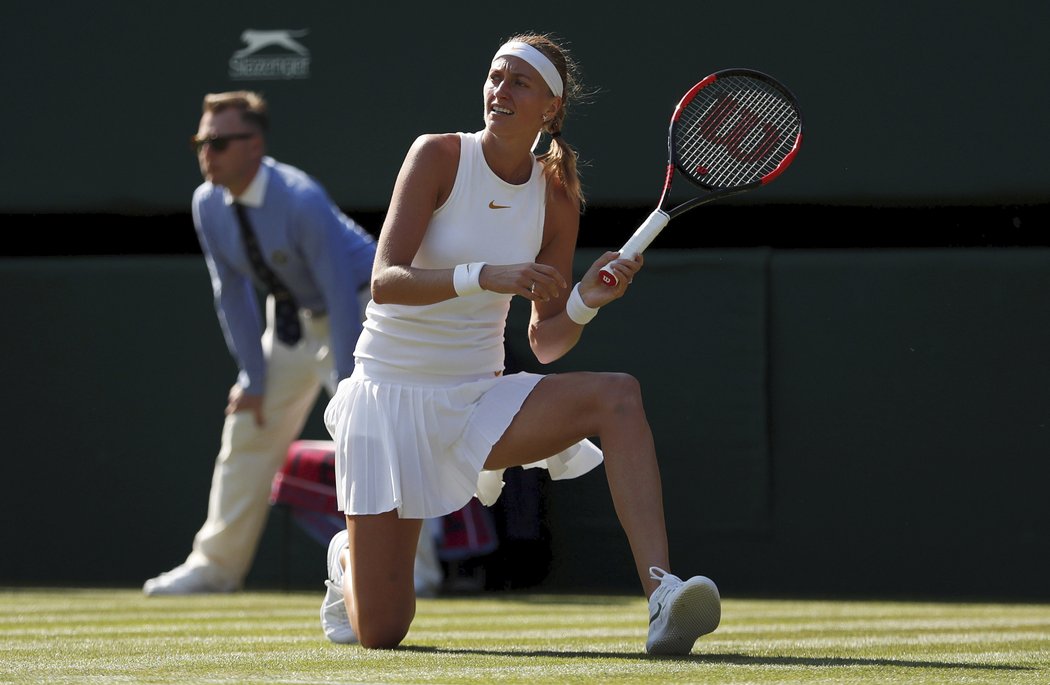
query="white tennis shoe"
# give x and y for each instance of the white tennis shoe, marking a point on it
(680, 612)
(334, 619)
(188, 579)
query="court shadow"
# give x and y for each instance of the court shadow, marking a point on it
(733, 659)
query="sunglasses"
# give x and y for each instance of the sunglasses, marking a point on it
(217, 143)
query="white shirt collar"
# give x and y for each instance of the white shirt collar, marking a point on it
(255, 193)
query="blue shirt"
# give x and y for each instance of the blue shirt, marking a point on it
(322, 256)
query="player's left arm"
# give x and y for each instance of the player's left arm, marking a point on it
(551, 332)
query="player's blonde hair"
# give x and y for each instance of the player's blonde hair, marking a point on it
(560, 160)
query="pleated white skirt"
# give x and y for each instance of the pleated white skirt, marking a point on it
(418, 443)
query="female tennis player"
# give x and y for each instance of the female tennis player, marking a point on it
(428, 420)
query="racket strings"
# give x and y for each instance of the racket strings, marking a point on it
(735, 132)
(741, 150)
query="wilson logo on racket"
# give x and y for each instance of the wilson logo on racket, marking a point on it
(735, 130)
(730, 124)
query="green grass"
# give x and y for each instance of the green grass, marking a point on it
(119, 636)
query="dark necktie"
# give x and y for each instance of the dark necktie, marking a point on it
(286, 310)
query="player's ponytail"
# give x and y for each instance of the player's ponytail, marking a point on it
(559, 161)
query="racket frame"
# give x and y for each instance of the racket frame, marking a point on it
(659, 218)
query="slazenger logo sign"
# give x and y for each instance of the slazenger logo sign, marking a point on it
(249, 63)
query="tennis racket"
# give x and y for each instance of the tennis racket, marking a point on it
(735, 130)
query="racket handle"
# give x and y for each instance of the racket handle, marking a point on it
(637, 243)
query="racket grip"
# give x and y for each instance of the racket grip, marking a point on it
(637, 243)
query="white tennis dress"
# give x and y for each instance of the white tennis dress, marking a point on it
(415, 422)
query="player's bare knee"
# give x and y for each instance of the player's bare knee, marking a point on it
(390, 640)
(381, 632)
(624, 393)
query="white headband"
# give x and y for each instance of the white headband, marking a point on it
(537, 59)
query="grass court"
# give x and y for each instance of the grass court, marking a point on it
(81, 636)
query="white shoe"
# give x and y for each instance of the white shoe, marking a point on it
(680, 612)
(188, 580)
(334, 619)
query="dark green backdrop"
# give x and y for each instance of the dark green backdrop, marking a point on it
(848, 422)
(905, 101)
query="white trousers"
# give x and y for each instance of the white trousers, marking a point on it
(250, 456)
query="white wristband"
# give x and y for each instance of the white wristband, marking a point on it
(466, 279)
(577, 310)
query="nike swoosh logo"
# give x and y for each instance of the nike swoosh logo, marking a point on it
(493, 205)
(659, 608)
